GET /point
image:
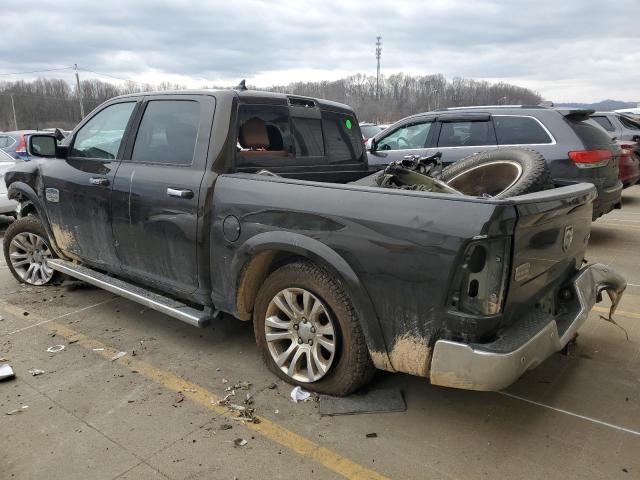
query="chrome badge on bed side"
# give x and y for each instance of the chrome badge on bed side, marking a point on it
(568, 237)
(52, 195)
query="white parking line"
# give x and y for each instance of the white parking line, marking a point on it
(60, 316)
(577, 415)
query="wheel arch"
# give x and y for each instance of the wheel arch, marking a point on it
(265, 252)
(25, 195)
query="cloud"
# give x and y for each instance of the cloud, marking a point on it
(572, 50)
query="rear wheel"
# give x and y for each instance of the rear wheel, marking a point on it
(499, 173)
(308, 332)
(26, 251)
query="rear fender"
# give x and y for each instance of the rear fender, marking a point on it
(325, 257)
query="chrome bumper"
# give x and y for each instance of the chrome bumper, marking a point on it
(491, 367)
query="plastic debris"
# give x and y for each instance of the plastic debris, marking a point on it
(224, 380)
(240, 442)
(300, 395)
(36, 371)
(18, 410)
(98, 349)
(118, 355)
(6, 372)
(226, 426)
(371, 435)
(55, 348)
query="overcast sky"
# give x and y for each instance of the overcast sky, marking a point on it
(567, 50)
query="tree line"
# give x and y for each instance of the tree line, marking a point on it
(47, 103)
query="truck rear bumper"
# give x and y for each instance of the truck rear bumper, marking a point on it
(527, 343)
(608, 199)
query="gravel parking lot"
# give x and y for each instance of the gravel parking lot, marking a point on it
(154, 414)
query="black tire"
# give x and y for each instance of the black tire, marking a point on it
(499, 173)
(352, 366)
(28, 224)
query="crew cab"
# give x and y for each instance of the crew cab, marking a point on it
(197, 203)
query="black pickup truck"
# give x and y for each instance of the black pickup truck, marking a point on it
(197, 203)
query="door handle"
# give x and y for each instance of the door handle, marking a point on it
(179, 192)
(99, 181)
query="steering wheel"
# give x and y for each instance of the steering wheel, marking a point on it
(403, 144)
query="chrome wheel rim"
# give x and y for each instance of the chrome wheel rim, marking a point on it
(29, 253)
(300, 334)
(492, 178)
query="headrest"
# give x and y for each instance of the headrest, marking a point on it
(253, 134)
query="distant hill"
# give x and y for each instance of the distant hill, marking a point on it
(602, 105)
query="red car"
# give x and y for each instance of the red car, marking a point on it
(629, 163)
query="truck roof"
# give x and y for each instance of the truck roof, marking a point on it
(255, 96)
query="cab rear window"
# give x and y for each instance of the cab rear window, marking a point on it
(342, 137)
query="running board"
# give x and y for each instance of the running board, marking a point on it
(168, 306)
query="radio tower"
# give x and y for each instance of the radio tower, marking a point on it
(378, 54)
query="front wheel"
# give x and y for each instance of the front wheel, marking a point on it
(308, 331)
(26, 251)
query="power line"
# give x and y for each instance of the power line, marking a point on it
(37, 71)
(117, 78)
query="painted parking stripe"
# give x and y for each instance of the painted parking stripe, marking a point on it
(301, 445)
(618, 312)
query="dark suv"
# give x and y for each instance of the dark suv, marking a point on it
(576, 150)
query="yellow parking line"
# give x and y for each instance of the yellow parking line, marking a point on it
(618, 312)
(201, 396)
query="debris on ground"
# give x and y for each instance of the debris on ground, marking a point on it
(179, 399)
(36, 371)
(118, 355)
(17, 410)
(71, 342)
(244, 413)
(226, 426)
(6, 372)
(224, 380)
(3, 359)
(273, 386)
(55, 348)
(371, 435)
(300, 395)
(98, 349)
(239, 442)
(376, 401)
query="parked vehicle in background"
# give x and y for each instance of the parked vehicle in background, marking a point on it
(576, 151)
(337, 278)
(7, 207)
(369, 130)
(619, 125)
(15, 143)
(629, 164)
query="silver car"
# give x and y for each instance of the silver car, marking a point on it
(7, 207)
(619, 125)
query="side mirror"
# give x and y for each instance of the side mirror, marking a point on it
(46, 146)
(371, 145)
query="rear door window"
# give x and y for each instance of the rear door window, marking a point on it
(408, 137)
(167, 133)
(604, 122)
(342, 136)
(4, 141)
(516, 130)
(466, 134)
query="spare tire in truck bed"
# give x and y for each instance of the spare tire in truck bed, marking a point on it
(499, 173)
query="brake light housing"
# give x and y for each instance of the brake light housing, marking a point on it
(591, 158)
(479, 286)
(22, 144)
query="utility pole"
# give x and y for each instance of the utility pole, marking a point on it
(378, 54)
(75, 67)
(15, 120)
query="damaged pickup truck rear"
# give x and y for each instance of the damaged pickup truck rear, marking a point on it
(247, 203)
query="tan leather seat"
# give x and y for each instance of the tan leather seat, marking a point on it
(255, 136)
